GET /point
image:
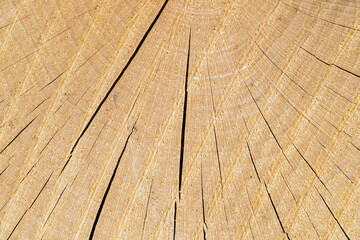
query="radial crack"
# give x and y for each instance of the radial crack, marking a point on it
(312, 224)
(38, 105)
(115, 82)
(57, 201)
(48, 142)
(147, 208)
(29, 206)
(252, 160)
(40, 191)
(30, 170)
(282, 71)
(267, 124)
(174, 222)
(277, 215)
(17, 135)
(333, 215)
(203, 204)
(108, 187)
(221, 179)
(288, 187)
(17, 224)
(330, 64)
(54, 79)
(312, 169)
(183, 127)
(4, 169)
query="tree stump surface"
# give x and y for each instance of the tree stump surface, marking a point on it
(173, 119)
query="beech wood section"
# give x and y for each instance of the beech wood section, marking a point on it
(154, 119)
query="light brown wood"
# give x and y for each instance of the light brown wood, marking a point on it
(180, 119)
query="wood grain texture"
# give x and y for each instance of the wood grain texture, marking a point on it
(164, 119)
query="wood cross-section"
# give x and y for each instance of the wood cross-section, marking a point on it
(188, 119)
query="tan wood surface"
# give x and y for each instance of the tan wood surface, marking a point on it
(153, 119)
